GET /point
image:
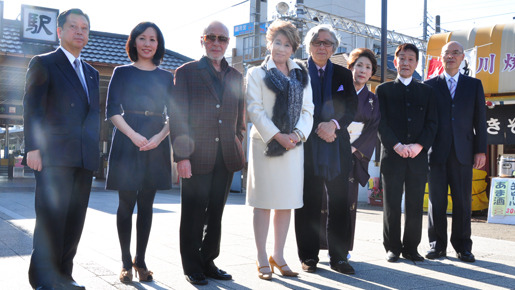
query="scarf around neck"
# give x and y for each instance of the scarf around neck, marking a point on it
(326, 156)
(288, 101)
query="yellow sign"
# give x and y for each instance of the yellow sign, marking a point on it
(503, 194)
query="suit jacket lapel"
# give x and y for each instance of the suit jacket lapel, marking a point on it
(66, 67)
(206, 78)
(460, 86)
(442, 86)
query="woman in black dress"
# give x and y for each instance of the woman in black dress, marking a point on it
(363, 130)
(139, 161)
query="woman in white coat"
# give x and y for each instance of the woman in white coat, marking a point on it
(280, 106)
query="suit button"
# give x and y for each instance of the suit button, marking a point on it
(409, 119)
(218, 106)
(220, 121)
(72, 105)
(452, 105)
(408, 104)
(217, 139)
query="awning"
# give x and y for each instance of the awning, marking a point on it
(491, 52)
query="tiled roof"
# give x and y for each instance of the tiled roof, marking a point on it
(102, 47)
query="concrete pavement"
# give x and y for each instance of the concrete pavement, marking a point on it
(97, 264)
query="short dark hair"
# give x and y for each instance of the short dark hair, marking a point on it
(130, 46)
(61, 19)
(365, 52)
(406, 46)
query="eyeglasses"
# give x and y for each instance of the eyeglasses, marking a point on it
(212, 38)
(324, 43)
(453, 53)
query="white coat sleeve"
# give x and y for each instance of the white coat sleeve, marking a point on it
(255, 106)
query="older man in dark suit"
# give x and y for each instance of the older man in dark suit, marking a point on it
(61, 124)
(460, 144)
(327, 156)
(407, 130)
(206, 127)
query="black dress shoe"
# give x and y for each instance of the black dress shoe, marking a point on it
(466, 256)
(309, 265)
(69, 285)
(434, 254)
(218, 274)
(415, 257)
(44, 287)
(343, 266)
(392, 257)
(196, 278)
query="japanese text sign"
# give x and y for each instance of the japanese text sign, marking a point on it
(39, 23)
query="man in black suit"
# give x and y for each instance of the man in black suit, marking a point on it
(327, 156)
(61, 124)
(407, 130)
(460, 144)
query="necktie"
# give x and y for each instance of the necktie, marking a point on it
(321, 75)
(76, 66)
(452, 87)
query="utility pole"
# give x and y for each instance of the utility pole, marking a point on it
(384, 61)
(257, 35)
(384, 31)
(298, 53)
(437, 24)
(425, 21)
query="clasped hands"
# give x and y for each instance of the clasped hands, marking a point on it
(408, 150)
(326, 131)
(144, 144)
(288, 141)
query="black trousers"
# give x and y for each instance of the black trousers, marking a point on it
(353, 203)
(203, 198)
(459, 178)
(62, 195)
(307, 218)
(413, 181)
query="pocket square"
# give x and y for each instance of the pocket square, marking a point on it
(340, 88)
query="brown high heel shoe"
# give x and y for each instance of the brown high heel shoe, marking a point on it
(126, 276)
(144, 274)
(287, 273)
(261, 275)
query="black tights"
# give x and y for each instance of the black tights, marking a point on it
(128, 199)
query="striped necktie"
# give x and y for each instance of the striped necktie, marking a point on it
(76, 66)
(452, 87)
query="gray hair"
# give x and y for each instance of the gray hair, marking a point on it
(313, 35)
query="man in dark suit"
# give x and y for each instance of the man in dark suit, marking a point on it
(407, 130)
(61, 125)
(327, 156)
(460, 144)
(206, 127)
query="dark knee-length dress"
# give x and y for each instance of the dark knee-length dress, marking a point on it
(132, 92)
